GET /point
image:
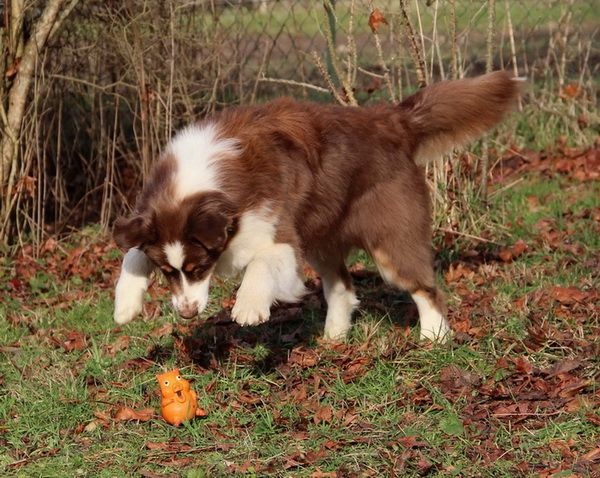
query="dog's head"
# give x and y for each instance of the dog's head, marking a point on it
(184, 240)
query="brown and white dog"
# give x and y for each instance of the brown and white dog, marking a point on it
(260, 189)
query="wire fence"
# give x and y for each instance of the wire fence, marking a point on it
(278, 38)
(121, 77)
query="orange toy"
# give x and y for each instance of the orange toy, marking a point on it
(179, 402)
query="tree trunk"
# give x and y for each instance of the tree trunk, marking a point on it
(47, 25)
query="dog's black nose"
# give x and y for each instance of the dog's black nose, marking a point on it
(188, 311)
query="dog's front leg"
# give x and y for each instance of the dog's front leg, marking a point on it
(132, 283)
(272, 275)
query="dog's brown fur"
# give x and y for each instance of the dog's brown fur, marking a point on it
(336, 177)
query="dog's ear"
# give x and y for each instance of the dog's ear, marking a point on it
(133, 232)
(212, 222)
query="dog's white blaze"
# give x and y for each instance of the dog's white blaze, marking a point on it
(192, 292)
(175, 254)
(197, 149)
(433, 324)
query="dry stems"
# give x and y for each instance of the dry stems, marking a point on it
(106, 97)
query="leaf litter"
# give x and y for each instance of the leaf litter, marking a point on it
(515, 392)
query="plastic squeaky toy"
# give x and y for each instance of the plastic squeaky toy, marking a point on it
(179, 403)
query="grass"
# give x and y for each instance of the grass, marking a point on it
(283, 403)
(470, 15)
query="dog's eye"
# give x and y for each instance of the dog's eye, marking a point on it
(167, 270)
(197, 242)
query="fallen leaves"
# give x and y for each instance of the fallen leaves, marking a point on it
(294, 383)
(129, 414)
(303, 357)
(162, 331)
(323, 414)
(511, 253)
(121, 413)
(578, 164)
(456, 382)
(523, 392)
(74, 340)
(121, 343)
(570, 295)
(172, 446)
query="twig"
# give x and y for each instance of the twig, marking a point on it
(489, 65)
(352, 65)
(294, 83)
(506, 187)
(351, 100)
(370, 73)
(513, 51)
(328, 79)
(414, 49)
(491, 32)
(470, 236)
(453, 51)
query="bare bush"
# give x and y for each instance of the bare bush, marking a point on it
(109, 88)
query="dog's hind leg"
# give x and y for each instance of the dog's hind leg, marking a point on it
(338, 292)
(416, 276)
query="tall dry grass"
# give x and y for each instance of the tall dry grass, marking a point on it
(120, 77)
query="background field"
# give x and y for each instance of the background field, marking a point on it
(517, 236)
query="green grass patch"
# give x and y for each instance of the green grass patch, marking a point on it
(282, 403)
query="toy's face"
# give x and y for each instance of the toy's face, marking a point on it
(172, 383)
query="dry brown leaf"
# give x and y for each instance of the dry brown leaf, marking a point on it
(564, 366)
(303, 357)
(121, 343)
(74, 340)
(457, 272)
(162, 331)
(228, 302)
(126, 414)
(523, 365)
(570, 91)
(172, 446)
(13, 69)
(323, 414)
(595, 419)
(592, 455)
(376, 19)
(323, 474)
(567, 295)
(572, 388)
(456, 382)
(411, 441)
(248, 399)
(355, 369)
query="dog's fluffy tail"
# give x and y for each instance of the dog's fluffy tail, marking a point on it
(448, 114)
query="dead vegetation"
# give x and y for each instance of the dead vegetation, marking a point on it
(113, 81)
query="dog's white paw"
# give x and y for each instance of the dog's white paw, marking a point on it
(127, 308)
(440, 333)
(336, 332)
(249, 310)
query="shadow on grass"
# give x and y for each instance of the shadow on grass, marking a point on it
(210, 343)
